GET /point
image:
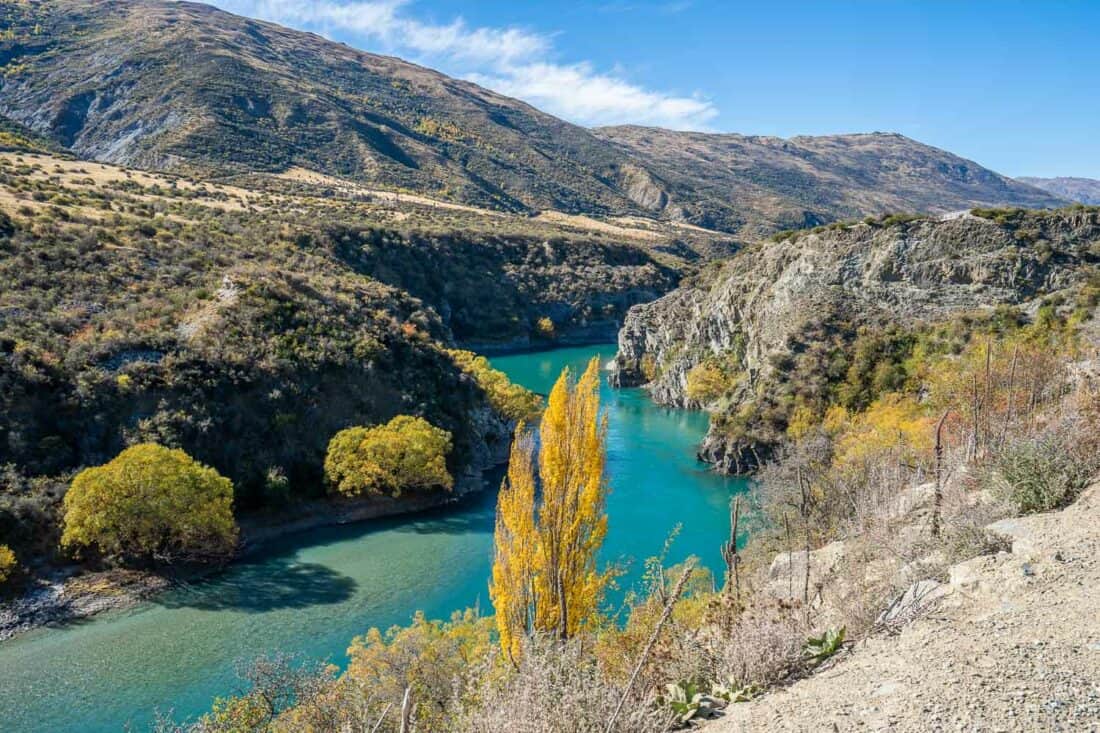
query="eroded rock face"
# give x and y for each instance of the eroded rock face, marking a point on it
(643, 188)
(756, 309)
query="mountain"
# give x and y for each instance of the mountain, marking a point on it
(787, 322)
(775, 183)
(184, 87)
(1081, 190)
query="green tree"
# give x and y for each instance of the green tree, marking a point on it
(405, 453)
(150, 503)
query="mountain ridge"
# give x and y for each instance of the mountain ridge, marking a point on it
(1074, 188)
(255, 99)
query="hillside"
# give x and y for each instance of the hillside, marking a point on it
(1081, 190)
(137, 306)
(775, 183)
(788, 323)
(184, 87)
(17, 137)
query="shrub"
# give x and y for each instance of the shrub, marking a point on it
(801, 422)
(558, 686)
(893, 423)
(7, 563)
(275, 684)
(1037, 475)
(545, 328)
(819, 648)
(276, 486)
(709, 380)
(150, 503)
(407, 452)
(968, 541)
(428, 656)
(510, 400)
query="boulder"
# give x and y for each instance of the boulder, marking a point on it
(787, 574)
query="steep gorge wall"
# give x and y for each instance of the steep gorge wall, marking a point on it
(768, 302)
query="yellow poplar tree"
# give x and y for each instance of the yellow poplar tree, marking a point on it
(544, 571)
(514, 545)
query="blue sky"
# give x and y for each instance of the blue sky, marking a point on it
(1012, 85)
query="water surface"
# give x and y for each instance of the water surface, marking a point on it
(311, 593)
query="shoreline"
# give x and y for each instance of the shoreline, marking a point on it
(70, 595)
(529, 346)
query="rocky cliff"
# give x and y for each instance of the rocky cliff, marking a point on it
(748, 324)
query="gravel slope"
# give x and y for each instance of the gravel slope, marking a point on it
(1014, 645)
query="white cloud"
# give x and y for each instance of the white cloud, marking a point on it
(382, 22)
(579, 93)
(512, 61)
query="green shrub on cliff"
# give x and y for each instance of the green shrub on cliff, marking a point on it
(1039, 475)
(150, 503)
(405, 453)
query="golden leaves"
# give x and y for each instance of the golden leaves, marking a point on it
(407, 452)
(150, 501)
(544, 570)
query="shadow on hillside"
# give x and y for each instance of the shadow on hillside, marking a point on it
(257, 587)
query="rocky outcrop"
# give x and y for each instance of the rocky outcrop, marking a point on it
(775, 299)
(643, 189)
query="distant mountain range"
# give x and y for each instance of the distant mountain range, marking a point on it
(1081, 190)
(187, 88)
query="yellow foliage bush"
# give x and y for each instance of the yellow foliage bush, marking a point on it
(892, 422)
(150, 502)
(427, 656)
(836, 419)
(545, 328)
(510, 400)
(801, 422)
(405, 453)
(7, 563)
(707, 381)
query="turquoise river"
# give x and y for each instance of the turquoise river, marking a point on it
(311, 593)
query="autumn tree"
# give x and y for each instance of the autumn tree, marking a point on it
(8, 563)
(405, 453)
(150, 503)
(544, 570)
(515, 543)
(510, 400)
